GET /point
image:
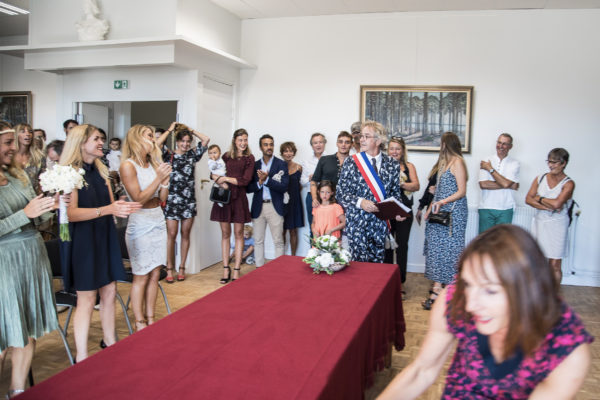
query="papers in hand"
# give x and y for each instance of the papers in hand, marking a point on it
(390, 207)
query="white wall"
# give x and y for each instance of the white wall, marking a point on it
(54, 21)
(208, 24)
(534, 73)
(43, 85)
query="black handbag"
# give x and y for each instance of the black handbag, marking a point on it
(220, 195)
(442, 218)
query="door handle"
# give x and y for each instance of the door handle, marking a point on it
(202, 182)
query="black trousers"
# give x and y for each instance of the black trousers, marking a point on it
(401, 232)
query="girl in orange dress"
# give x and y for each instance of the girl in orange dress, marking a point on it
(328, 218)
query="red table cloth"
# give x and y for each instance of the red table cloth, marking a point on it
(280, 332)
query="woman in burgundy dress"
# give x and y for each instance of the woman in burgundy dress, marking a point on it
(240, 167)
(514, 336)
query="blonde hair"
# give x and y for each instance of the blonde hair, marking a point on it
(35, 154)
(12, 169)
(248, 228)
(133, 146)
(378, 128)
(71, 154)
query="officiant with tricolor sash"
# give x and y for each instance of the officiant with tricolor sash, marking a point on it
(366, 179)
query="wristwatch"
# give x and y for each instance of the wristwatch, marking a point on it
(491, 171)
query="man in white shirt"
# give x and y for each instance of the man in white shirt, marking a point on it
(498, 180)
(317, 142)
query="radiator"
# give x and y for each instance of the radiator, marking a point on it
(522, 217)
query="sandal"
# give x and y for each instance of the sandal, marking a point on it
(428, 303)
(236, 269)
(170, 279)
(141, 322)
(12, 393)
(181, 274)
(225, 280)
(149, 319)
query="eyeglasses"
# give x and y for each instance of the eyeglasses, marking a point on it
(367, 137)
(553, 161)
(504, 144)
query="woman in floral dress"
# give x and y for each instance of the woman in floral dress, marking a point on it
(181, 203)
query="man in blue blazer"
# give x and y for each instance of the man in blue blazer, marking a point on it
(269, 183)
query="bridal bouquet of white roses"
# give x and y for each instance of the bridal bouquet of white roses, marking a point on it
(327, 255)
(62, 179)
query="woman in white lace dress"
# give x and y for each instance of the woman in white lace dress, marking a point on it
(550, 195)
(146, 180)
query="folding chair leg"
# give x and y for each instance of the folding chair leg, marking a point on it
(64, 330)
(67, 348)
(164, 295)
(127, 321)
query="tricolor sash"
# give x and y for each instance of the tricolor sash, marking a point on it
(376, 185)
(370, 176)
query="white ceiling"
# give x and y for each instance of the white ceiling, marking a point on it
(11, 25)
(250, 9)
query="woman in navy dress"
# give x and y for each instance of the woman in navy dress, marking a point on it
(294, 217)
(239, 162)
(91, 261)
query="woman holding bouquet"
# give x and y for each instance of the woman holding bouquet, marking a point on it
(146, 180)
(92, 261)
(27, 309)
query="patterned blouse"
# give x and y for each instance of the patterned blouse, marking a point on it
(475, 375)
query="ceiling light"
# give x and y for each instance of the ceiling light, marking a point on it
(2, 10)
(12, 8)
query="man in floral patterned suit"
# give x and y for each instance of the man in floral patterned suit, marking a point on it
(366, 232)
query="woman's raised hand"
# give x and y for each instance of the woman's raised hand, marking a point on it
(122, 208)
(38, 206)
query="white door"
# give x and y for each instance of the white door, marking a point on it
(216, 117)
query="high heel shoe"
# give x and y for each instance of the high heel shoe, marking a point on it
(170, 279)
(225, 280)
(12, 393)
(143, 324)
(428, 303)
(103, 344)
(149, 320)
(181, 274)
(237, 269)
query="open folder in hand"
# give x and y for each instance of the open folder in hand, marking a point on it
(390, 207)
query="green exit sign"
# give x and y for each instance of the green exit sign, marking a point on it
(121, 84)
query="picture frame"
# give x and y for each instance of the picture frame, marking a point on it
(15, 107)
(414, 113)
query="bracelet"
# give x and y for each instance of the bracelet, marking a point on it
(540, 200)
(164, 186)
(98, 213)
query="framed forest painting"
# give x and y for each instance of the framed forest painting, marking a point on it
(420, 114)
(15, 107)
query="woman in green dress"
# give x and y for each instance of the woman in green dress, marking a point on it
(27, 309)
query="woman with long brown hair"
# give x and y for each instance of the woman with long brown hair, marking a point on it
(146, 180)
(514, 336)
(444, 242)
(27, 309)
(92, 259)
(239, 163)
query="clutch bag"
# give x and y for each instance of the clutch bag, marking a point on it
(220, 195)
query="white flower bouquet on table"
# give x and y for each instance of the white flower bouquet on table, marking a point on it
(62, 179)
(327, 255)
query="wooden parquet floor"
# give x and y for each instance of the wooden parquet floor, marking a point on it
(50, 357)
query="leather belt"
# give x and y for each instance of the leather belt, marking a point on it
(266, 201)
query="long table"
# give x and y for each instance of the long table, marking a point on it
(280, 332)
